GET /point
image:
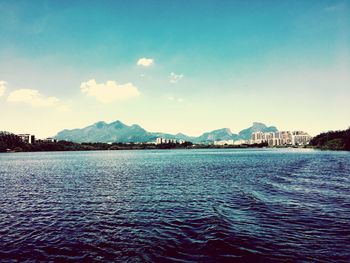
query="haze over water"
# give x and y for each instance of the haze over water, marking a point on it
(229, 205)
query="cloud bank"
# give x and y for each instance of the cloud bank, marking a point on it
(110, 91)
(145, 62)
(35, 99)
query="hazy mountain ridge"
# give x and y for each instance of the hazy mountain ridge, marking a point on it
(256, 127)
(120, 132)
(217, 135)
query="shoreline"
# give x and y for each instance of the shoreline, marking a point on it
(179, 148)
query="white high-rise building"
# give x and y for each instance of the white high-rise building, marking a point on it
(281, 138)
(28, 138)
(165, 141)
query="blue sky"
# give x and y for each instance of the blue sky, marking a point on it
(214, 64)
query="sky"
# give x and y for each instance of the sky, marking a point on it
(174, 66)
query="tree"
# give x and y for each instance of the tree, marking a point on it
(3, 146)
(332, 140)
(10, 140)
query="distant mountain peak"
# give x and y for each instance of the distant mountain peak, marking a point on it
(117, 131)
(227, 130)
(256, 127)
(100, 124)
(217, 135)
(118, 124)
(258, 124)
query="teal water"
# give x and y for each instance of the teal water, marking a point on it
(228, 205)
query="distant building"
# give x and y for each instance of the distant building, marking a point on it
(47, 140)
(240, 142)
(166, 141)
(274, 142)
(224, 142)
(281, 138)
(258, 136)
(300, 138)
(27, 138)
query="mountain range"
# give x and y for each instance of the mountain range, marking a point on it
(119, 132)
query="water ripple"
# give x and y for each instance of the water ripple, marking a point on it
(175, 206)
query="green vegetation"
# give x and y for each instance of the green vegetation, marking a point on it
(11, 142)
(333, 140)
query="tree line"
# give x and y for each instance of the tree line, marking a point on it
(332, 140)
(12, 142)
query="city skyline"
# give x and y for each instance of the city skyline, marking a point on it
(174, 67)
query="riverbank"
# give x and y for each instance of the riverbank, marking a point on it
(332, 140)
(72, 146)
(337, 141)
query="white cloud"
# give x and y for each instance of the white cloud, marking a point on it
(3, 85)
(109, 91)
(175, 78)
(33, 98)
(145, 62)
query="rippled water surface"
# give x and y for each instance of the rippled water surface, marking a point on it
(175, 206)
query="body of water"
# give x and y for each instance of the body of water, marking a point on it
(228, 205)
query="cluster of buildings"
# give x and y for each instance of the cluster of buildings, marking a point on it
(230, 142)
(166, 141)
(279, 138)
(30, 138)
(224, 142)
